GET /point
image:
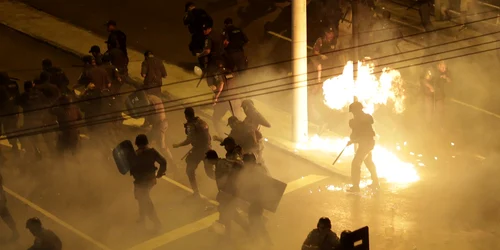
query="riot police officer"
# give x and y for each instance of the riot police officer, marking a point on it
(243, 135)
(56, 76)
(199, 137)
(9, 94)
(68, 115)
(113, 74)
(45, 239)
(93, 74)
(31, 101)
(211, 57)
(322, 237)
(153, 71)
(234, 41)
(195, 19)
(120, 60)
(145, 174)
(116, 37)
(226, 173)
(95, 51)
(364, 136)
(233, 150)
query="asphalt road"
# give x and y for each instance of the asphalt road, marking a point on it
(399, 218)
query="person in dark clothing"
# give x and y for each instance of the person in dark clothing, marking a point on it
(233, 150)
(5, 214)
(195, 19)
(116, 38)
(67, 115)
(234, 41)
(363, 135)
(45, 239)
(145, 174)
(435, 85)
(211, 57)
(56, 76)
(113, 74)
(153, 71)
(425, 9)
(31, 101)
(94, 75)
(9, 108)
(255, 211)
(226, 173)
(199, 137)
(52, 95)
(95, 51)
(243, 135)
(120, 61)
(322, 237)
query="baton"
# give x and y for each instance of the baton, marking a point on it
(184, 157)
(201, 78)
(231, 106)
(340, 154)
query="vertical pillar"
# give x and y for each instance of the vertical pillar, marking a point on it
(299, 52)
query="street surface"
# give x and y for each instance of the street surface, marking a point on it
(452, 207)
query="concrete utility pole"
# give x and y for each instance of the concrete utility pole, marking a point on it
(355, 32)
(299, 52)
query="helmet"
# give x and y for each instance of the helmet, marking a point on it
(324, 221)
(33, 223)
(355, 106)
(141, 140)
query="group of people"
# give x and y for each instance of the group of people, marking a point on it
(49, 103)
(243, 159)
(221, 56)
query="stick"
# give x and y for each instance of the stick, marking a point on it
(184, 157)
(231, 106)
(201, 78)
(340, 155)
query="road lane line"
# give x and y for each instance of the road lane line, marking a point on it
(209, 220)
(476, 108)
(303, 182)
(57, 220)
(177, 233)
(189, 190)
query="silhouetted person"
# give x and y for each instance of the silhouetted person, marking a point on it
(5, 214)
(145, 174)
(364, 136)
(322, 237)
(45, 239)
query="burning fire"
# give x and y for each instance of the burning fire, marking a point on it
(340, 91)
(389, 166)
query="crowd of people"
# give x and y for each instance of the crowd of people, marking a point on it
(55, 109)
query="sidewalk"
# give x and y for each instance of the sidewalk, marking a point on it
(50, 29)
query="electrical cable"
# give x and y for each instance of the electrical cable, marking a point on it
(262, 82)
(200, 103)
